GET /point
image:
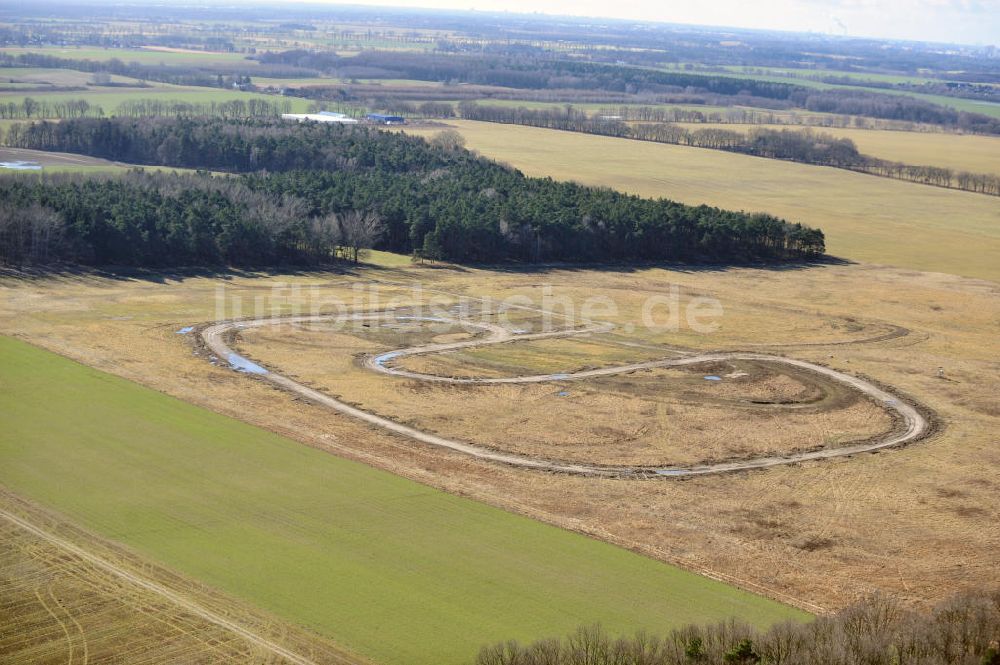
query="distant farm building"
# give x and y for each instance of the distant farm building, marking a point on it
(384, 119)
(322, 116)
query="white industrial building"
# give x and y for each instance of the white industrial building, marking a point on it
(322, 116)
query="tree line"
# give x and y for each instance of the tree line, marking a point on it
(149, 220)
(806, 146)
(231, 108)
(162, 220)
(745, 116)
(962, 630)
(247, 144)
(432, 198)
(30, 108)
(803, 146)
(894, 107)
(961, 89)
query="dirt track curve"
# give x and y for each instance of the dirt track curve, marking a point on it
(913, 423)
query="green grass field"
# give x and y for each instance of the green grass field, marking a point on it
(38, 76)
(386, 259)
(389, 568)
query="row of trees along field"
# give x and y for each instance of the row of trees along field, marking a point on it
(70, 109)
(748, 116)
(435, 199)
(963, 630)
(804, 146)
(29, 107)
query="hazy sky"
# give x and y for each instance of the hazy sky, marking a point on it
(961, 21)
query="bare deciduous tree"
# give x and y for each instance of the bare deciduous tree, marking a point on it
(28, 235)
(448, 139)
(874, 631)
(359, 230)
(324, 235)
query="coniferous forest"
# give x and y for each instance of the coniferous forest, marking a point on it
(285, 189)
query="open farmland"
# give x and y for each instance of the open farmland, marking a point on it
(865, 218)
(40, 78)
(277, 524)
(325, 392)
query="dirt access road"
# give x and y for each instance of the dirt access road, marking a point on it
(913, 424)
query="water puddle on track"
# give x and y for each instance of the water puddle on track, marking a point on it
(386, 357)
(21, 166)
(241, 364)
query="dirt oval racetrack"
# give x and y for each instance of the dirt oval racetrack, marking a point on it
(913, 425)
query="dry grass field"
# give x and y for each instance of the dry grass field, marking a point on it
(916, 522)
(961, 152)
(865, 218)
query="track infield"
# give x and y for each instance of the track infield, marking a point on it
(387, 567)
